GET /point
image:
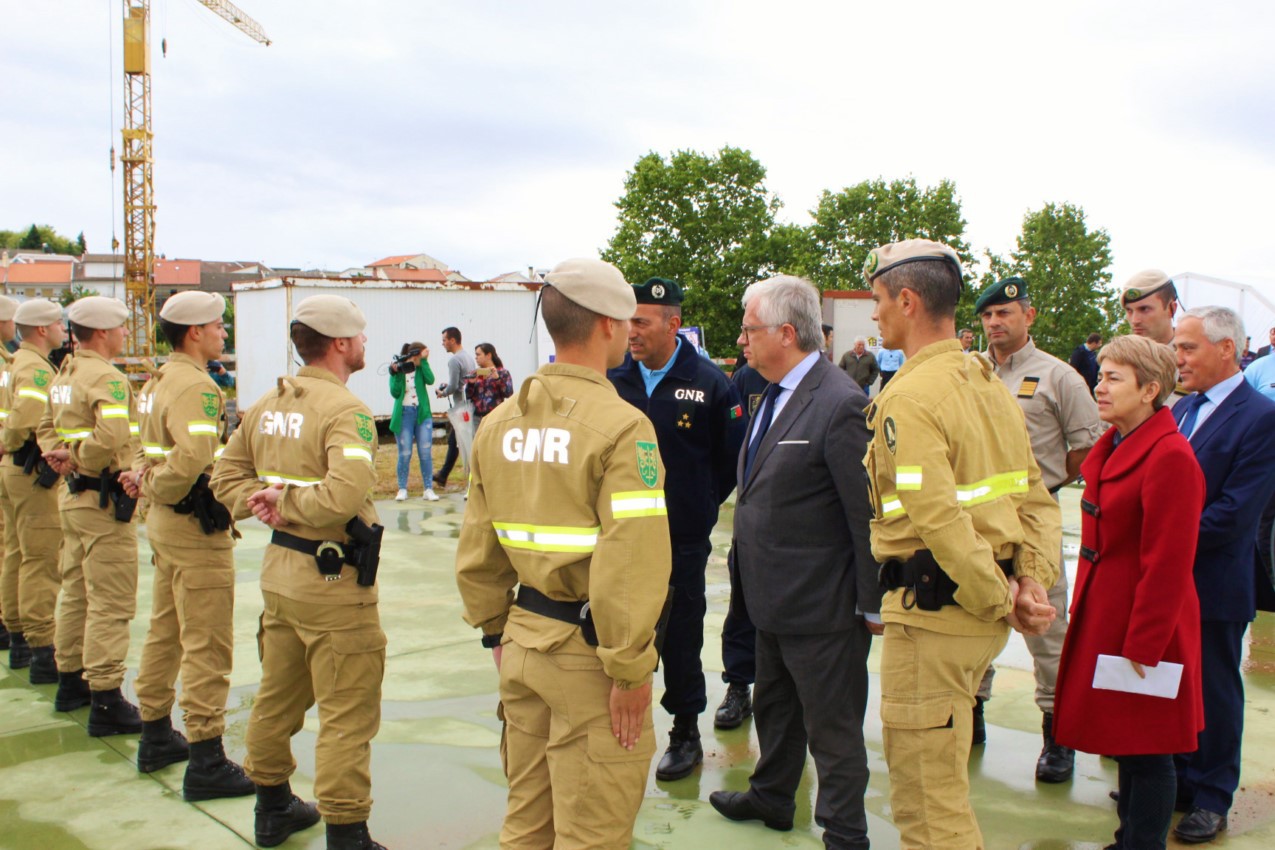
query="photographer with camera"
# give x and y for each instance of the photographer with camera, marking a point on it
(412, 422)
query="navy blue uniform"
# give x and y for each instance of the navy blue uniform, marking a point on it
(699, 424)
(739, 638)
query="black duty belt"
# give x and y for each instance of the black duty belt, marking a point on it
(575, 613)
(329, 555)
(925, 584)
(80, 483)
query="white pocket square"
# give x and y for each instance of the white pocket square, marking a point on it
(793, 443)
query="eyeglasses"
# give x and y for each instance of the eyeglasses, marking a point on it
(746, 329)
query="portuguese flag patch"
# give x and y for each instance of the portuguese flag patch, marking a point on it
(736, 411)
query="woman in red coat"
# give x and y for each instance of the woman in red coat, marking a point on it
(1135, 595)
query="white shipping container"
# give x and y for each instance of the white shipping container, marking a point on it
(397, 312)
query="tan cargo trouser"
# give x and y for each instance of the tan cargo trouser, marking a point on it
(191, 631)
(99, 595)
(32, 538)
(333, 655)
(571, 784)
(1046, 650)
(928, 681)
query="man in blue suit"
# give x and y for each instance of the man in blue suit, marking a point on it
(1232, 429)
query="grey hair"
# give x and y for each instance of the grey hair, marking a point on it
(790, 300)
(1220, 323)
(861, 339)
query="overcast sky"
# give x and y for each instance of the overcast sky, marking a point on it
(497, 135)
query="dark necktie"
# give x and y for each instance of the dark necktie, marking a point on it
(765, 414)
(1188, 422)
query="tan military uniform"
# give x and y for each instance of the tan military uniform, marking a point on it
(31, 577)
(182, 418)
(92, 407)
(951, 470)
(8, 583)
(1062, 417)
(320, 639)
(566, 497)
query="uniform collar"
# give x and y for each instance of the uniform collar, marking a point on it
(26, 346)
(1018, 356)
(91, 354)
(321, 374)
(185, 359)
(930, 351)
(570, 370)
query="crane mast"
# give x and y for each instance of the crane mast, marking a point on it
(137, 157)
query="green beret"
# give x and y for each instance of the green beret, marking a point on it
(1005, 291)
(659, 290)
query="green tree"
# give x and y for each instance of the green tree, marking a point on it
(850, 223)
(39, 235)
(74, 293)
(1067, 269)
(706, 221)
(32, 241)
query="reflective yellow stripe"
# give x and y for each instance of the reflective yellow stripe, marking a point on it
(32, 392)
(638, 503)
(360, 452)
(219, 451)
(279, 478)
(992, 488)
(113, 412)
(4, 414)
(155, 450)
(134, 428)
(546, 538)
(892, 508)
(907, 478)
(202, 427)
(71, 436)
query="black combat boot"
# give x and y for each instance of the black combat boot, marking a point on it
(351, 836)
(44, 670)
(73, 691)
(211, 776)
(111, 714)
(1056, 762)
(4, 637)
(684, 750)
(979, 734)
(19, 651)
(736, 705)
(280, 813)
(161, 745)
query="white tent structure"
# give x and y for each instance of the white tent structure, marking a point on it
(1253, 299)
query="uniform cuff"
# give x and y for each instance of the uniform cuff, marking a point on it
(623, 685)
(1029, 563)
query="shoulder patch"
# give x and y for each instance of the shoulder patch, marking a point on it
(117, 390)
(648, 463)
(891, 433)
(210, 403)
(364, 423)
(41, 377)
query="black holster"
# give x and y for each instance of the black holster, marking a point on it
(213, 516)
(925, 584)
(363, 552)
(112, 492)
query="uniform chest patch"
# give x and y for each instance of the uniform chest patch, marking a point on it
(754, 401)
(210, 403)
(1028, 387)
(686, 415)
(684, 394)
(890, 433)
(648, 458)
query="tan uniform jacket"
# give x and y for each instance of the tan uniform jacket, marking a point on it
(24, 400)
(6, 361)
(567, 497)
(181, 415)
(951, 470)
(93, 414)
(315, 437)
(1061, 413)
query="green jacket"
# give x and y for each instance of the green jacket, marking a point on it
(398, 389)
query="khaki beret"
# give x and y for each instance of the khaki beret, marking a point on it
(8, 307)
(331, 315)
(37, 313)
(881, 260)
(594, 285)
(1143, 284)
(193, 308)
(98, 312)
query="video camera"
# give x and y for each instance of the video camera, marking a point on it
(403, 362)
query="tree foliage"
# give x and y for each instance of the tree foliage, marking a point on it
(74, 293)
(850, 223)
(37, 236)
(706, 221)
(1066, 266)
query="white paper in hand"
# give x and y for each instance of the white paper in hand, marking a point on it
(1115, 673)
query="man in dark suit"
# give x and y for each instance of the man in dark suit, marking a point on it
(1232, 429)
(805, 564)
(1266, 349)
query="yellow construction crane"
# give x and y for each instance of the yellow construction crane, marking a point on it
(139, 186)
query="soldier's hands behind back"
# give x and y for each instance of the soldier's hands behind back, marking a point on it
(264, 506)
(628, 710)
(1033, 613)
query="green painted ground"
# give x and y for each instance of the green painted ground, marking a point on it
(436, 771)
